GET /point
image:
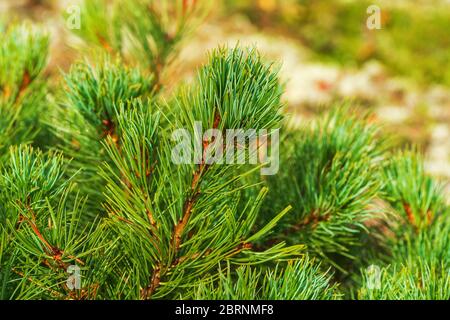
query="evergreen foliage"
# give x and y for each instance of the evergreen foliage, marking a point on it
(329, 176)
(23, 56)
(300, 280)
(108, 202)
(87, 116)
(143, 32)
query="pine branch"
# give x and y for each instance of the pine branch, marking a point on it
(46, 234)
(88, 116)
(194, 217)
(296, 280)
(412, 193)
(23, 56)
(331, 179)
(142, 32)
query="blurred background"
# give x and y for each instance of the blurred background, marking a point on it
(400, 72)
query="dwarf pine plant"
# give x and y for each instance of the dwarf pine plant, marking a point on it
(101, 209)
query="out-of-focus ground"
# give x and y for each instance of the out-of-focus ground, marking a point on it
(400, 72)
